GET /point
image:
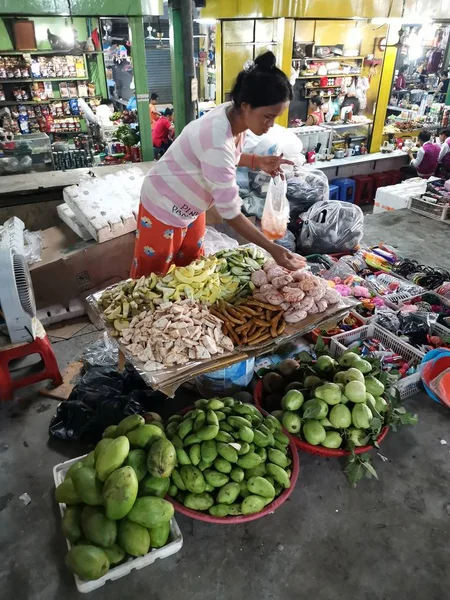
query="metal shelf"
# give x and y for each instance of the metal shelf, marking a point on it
(38, 102)
(45, 52)
(329, 75)
(32, 79)
(332, 58)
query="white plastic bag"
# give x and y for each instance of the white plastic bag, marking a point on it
(276, 210)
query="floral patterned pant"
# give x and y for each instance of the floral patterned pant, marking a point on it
(159, 245)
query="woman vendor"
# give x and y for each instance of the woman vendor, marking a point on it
(199, 171)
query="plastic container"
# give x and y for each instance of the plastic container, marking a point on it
(318, 450)
(226, 382)
(396, 298)
(408, 386)
(267, 510)
(430, 210)
(174, 545)
(315, 333)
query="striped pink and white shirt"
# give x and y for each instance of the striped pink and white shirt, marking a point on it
(197, 171)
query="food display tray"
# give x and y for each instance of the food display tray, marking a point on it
(173, 546)
(408, 386)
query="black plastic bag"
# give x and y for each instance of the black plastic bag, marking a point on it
(103, 397)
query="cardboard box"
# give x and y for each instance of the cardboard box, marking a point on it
(70, 267)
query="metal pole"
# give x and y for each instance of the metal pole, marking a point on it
(176, 65)
(187, 30)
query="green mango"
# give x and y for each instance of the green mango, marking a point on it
(228, 493)
(71, 523)
(87, 562)
(193, 438)
(381, 404)
(357, 436)
(277, 458)
(115, 554)
(261, 487)
(227, 452)
(202, 403)
(112, 456)
(224, 426)
(237, 474)
(133, 538)
(224, 436)
(355, 391)
(249, 461)
(129, 424)
(185, 428)
(78, 465)
(291, 421)
(150, 511)
(200, 421)
(173, 490)
(212, 418)
(329, 392)
(313, 432)
(215, 404)
(245, 447)
(110, 432)
(159, 535)
(99, 447)
(362, 365)
(208, 450)
(65, 493)
(162, 458)
(243, 489)
(252, 504)
(348, 358)
(292, 400)
(202, 501)
(154, 486)
(238, 422)
(281, 437)
(219, 510)
(193, 479)
(246, 434)
(145, 435)
(234, 510)
(215, 478)
(258, 471)
(178, 480)
(222, 465)
(120, 492)
(89, 460)
(183, 457)
(137, 460)
(88, 487)
(361, 416)
(195, 454)
(279, 475)
(208, 432)
(340, 417)
(262, 452)
(97, 528)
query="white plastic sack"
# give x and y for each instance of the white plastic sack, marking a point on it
(278, 140)
(276, 210)
(216, 241)
(330, 227)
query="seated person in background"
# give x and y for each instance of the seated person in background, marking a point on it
(400, 83)
(154, 114)
(443, 169)
(162, 132)
(426, 161)
(315, 113)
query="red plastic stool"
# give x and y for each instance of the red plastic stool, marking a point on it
(50, 370)
(364, 189)
(395, 176)
(380, 180)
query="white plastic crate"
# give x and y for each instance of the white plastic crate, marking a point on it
(438, 212)
(173, 546)
(365, 320)
(407, 386)
(407, 289)
(439, 299)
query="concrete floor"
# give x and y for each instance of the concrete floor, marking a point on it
(383, 540)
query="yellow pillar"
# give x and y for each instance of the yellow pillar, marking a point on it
(285, 42)
(384, 92)
(219, 72)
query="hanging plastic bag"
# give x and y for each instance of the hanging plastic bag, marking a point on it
(276, 210)
(330, 227)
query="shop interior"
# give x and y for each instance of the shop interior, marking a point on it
(224, 357)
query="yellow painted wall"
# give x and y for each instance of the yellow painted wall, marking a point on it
(366, 9)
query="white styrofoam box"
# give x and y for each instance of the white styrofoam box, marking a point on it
(68, 217)
(107, 206)
(173, 546)
(57, 312)
(395, 197)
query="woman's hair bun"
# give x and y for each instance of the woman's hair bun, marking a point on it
(266, 61)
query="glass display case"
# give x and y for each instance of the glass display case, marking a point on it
(350, 135)
(22, 154)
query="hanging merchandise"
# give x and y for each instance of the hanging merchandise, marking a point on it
(362, 85)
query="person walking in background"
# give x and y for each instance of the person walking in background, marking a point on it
(400, 83)
(315, 112)
(426, 161)
(442, 88)
(162, 132)
(154, 114)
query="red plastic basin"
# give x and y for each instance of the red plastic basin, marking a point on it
(319, 450)
(267, 510)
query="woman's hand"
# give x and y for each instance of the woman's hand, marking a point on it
(272, 164)
(287, 259)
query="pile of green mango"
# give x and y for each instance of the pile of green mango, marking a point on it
(332, 404)
(114, 497)
(232, 460)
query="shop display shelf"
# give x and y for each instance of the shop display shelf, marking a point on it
(267, 510)
(407, 386)
(174, 545)
(432, 211)
(32, 79)
(318, 450)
